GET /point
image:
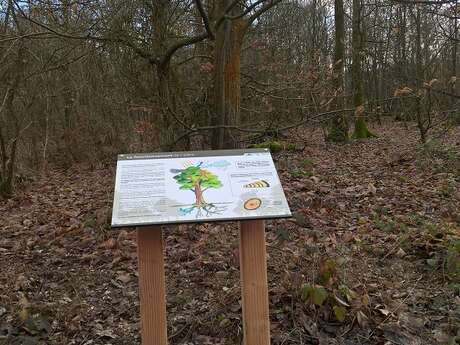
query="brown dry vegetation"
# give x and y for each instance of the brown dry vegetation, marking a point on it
(373, 238)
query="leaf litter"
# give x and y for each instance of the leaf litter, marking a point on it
(364, 260)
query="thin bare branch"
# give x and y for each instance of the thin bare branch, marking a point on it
(262, 10)
(204, 16)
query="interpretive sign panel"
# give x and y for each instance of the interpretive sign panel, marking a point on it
(200, 186)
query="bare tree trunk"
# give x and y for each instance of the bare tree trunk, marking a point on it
(419, 76)
(9, 151)
(167, 104)
(454, 83)
(339, 126)
(163, 71)
(8, 146)
(227, 91)
(68, 95)
(401, 67)
(361, 130)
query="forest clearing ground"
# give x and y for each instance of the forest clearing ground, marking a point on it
(374, 223)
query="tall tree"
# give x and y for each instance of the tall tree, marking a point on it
(454, 43)
(339, 127)
(227, 93)
(227, 54)
(361, 130)
(423, 121)
(11, 126)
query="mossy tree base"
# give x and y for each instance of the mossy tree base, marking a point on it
(361, 130)
(367, 134)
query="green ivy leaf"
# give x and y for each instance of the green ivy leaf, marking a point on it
(306, 292)
(349, 294)
(319, 295)
(340, 313)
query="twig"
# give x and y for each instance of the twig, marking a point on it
(194, 130)
(4, 100)
(30, 35)
(396, 309)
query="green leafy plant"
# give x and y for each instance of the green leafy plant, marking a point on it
(329, 294)
(340, 301)
(299, 173)
(314, 294)
(340, 312)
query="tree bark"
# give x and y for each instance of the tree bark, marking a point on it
(361, 130)
(419, 75)
(9, 152)
(227, 90)
(165, 90)
(339, 127)
(454, 84)
(167, 99)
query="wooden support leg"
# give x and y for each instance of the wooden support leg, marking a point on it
(253, 265)
(152, 289)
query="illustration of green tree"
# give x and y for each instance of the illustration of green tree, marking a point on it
(198, 180)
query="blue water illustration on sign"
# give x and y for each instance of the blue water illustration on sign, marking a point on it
(217, 164)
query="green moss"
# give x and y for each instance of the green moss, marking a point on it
(275, 146)
(361, 130)
(291, 147)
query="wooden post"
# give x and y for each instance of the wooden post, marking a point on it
(253, 266)
(152, 289)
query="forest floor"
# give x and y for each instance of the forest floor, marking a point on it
(370, 257)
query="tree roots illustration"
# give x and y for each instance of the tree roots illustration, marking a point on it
(203, 210)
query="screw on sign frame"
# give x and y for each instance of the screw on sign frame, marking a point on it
(246, 165)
